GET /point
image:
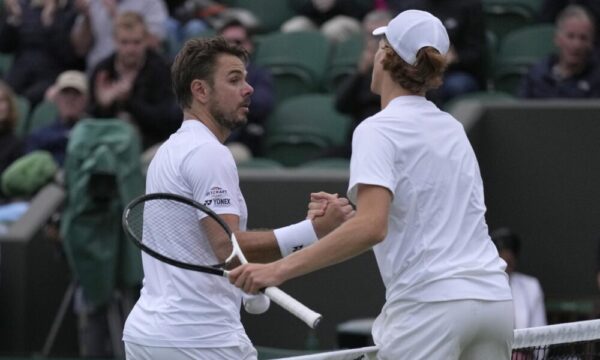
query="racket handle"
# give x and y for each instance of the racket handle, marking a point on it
(295, 307)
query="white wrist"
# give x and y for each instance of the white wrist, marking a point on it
(295, 237)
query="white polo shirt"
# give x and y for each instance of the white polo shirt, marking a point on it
(183, 308)
(437, 247)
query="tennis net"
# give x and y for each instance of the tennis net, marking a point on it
(569, 341)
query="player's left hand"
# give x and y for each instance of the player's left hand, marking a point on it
(253, 277)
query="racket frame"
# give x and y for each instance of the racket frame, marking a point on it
(310, 317)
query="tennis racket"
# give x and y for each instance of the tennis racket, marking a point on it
(186, 234)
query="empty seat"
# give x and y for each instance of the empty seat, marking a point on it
(23, 107)
(344, 60)
(504, 16)
(297, 61)
(303, 127)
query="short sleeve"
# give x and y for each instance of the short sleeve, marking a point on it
(212, 175)
(372, 161)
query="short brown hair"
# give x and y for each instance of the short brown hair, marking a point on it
(129, 20)
(197, 60)
(12, 117)
(425, 75)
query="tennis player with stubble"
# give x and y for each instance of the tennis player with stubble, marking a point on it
(419, 204)
(183, 314)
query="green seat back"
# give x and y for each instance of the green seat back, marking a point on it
(344, 60)
(504, 16)
(6, 61)
(518, 51)
(43, 114)
(271, 14)
(297, 61)
(23, 108)
(301, 128)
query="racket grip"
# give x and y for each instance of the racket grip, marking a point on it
(295, 307)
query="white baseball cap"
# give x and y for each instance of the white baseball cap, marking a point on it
(412, 30)
(72, 79)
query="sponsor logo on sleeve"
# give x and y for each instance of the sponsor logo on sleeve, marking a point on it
(217, 197)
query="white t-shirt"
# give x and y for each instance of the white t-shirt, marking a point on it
(178, 307)
(528, 301)
(437, 247)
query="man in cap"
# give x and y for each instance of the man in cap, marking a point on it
(71, 99)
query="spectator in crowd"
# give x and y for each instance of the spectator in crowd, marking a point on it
(464, 22)
(37, 33)
(71, 99)
(337, 19)
(551, 8)
(92, 35)
(134, 83)
(10, 144)
(263, 97)
(528, 298)
(354, 96)
(574, 71)
(186, 21)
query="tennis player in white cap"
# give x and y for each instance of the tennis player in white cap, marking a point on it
(419, 204)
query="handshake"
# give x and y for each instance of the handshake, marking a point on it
(326, 212)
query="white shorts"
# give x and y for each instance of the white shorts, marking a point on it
(446, 330)
(141, 352)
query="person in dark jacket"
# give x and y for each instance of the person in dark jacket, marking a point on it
(551, 8)
(10, 144)
(37, 33)
(134, 84)
(574, 71)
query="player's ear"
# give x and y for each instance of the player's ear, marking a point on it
(200, 90)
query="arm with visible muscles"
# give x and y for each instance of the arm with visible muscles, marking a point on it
(264, 246)
(365, 229)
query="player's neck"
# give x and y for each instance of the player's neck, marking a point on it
(391, 90)
(204, 116)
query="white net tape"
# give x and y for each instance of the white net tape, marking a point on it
(524, 338)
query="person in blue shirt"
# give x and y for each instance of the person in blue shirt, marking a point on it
(71, 99)
(574, 71)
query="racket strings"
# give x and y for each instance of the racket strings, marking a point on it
(178, 231)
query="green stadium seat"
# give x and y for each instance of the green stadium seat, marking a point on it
(302, 127)
(5, 63)
(519, 50)
(297, 61)
(504, 16)
(271, 14)
(23, 107)
(344, 61)
(43, 114)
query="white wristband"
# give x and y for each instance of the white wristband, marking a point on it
(295, 237)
